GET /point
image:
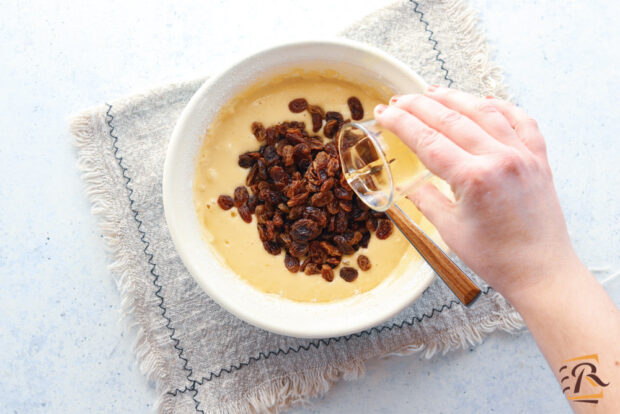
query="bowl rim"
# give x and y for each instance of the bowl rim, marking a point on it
(230, 305)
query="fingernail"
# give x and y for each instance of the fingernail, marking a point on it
(432, 88)
(379, 109)
(394, 99)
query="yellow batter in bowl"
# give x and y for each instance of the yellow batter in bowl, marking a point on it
(235, 242)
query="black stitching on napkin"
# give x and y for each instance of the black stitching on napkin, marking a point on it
(328, 341)
(149, 256)
(431, 39)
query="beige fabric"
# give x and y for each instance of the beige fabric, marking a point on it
(202, 358)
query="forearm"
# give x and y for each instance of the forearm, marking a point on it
(571, 317)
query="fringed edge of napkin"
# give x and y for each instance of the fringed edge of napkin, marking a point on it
(300, 388)
(83, 127)
(285, 392)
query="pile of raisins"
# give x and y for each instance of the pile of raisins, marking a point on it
(302, 202)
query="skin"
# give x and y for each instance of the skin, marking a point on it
(507, 225)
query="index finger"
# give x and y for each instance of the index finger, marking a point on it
(438, 153)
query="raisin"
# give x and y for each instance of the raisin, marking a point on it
(287, 155)
(279, 176)
(320, 162)
(297, 124)
(241, 196)
(225, 202)
(327, 185)
(291, 263)
(333, 207)
(317, 215)
(315, 143)
(296, 187)
(301, 151)
(335, 116)
(330, 249)
(327, 273)
(343, 194)
(331, 149)
(272, 247)
(343, 245)
(294, 136)
(269, 196)
(262, 169)
(353, 237)
(349, 274)
(333, 261)
(365, 240)
(333, 167)
(246, 160)
(252, 176)
(272, 135)
(262, 214)
(252, 203)
(345, 206)
(298, 249)
(356, 108)
(384, 229)
(322, 199)
(298, 199)
(305, 263)
(298, 105)
(344, 184)
(262, 232)
(244, 213)
(315, 109)
(312, 269)
(316, 253)
(361, 205)
(296, 212)
(371, 224)
(331, 128)
(341, 222)
(304, 230)
(278, 221)
(317, 122)
(363, 262)
(303, 165)
(271, 155)
(359, 215)
(284, 240)
(259, 131)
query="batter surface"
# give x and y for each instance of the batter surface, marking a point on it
(235, 242)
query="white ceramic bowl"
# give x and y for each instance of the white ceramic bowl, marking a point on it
(311, 320)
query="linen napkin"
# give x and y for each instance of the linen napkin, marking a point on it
(202, 358)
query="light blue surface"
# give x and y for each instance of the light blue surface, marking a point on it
(63, 349)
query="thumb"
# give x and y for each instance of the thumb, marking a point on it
(435, 206)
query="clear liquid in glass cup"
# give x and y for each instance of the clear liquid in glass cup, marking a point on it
(378, 166)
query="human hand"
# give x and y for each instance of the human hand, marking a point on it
(505, 222)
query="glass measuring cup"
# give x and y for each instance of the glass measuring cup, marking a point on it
(381, 170)
(378, 166)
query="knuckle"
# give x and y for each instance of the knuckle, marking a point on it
(475, 179)
(486, 107)
(426, 138)
(528, 123)
(510, 163)
(449, 117)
